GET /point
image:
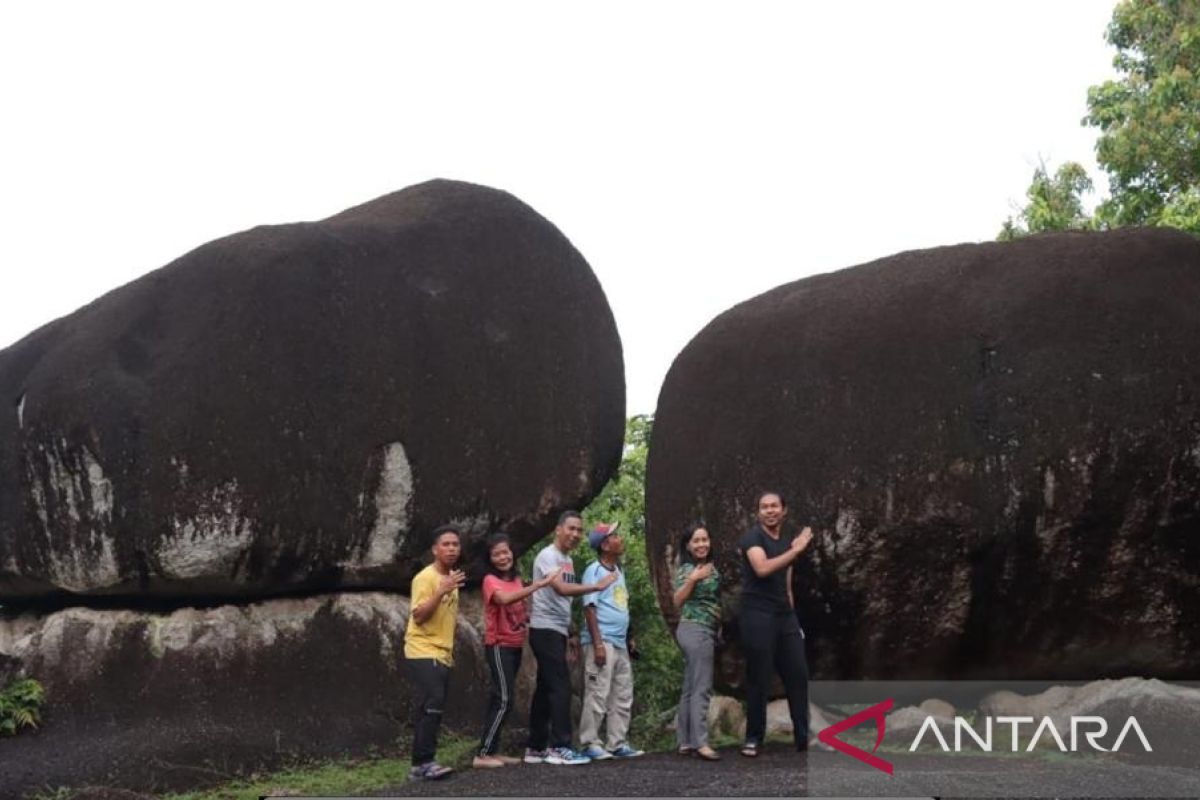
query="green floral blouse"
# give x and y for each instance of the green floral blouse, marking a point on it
(704, 606)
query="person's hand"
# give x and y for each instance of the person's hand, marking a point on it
(600, 656)
(607, 581)
(801, 541)
(451, 581)
(701, 572)
(572, 650)
(549, 577)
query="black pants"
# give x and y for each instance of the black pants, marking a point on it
(772, 640)
(430, 680)
(550, 713)
(503, 663)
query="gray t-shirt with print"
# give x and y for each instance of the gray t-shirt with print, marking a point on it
(549, 609)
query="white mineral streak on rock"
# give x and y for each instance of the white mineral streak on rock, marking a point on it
(67, 643)
(38, 492)
(62, 483)
(209, 542)
(100, 488)
(392, 500)
(847, 526)
(75, 509)
(73, 644)
(390, 611)
(1048, 489)
(21, 412)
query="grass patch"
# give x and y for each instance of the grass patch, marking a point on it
(336, 777)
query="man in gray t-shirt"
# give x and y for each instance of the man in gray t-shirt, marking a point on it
(549, 627)
(549, 609)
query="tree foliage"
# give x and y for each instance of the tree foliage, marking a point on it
(1149, 123)
(1149, 117)
(1055, 203)
(656, 674)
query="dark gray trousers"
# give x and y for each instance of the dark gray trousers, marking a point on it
(691, 722)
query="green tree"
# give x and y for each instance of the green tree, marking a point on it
(1055, 203)
(1149, 122)
(657, 672)
(1149, 117)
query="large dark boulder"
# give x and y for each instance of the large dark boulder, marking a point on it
(294, 407)
(998, 446)
(154, 701)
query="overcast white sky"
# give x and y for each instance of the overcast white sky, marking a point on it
(697, 154)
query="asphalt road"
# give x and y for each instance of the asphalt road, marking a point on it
(780, 772)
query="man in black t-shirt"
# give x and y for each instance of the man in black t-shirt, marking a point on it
(770, 633)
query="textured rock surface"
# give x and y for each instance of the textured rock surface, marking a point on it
(296, 406)
(152, 701)
(998, 446)
(1165, 713)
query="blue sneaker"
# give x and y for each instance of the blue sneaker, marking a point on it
(430, 771)
(596, 753)
(625, 751)
(565, 756)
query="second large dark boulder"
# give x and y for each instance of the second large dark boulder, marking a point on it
(998, 446)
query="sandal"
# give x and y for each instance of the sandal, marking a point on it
(750, 749)
(684, 750)
(706, 753)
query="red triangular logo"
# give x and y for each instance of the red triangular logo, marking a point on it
(877, 712)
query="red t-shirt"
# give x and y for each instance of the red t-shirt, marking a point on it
(503, 625)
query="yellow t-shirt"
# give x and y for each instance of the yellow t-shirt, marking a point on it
(435, 638)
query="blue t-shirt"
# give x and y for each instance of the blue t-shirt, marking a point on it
(612, 606)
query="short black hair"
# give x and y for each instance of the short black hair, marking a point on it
(684, 556)
(494, 541)
(441, 529)
(566, 515)
(764, 493)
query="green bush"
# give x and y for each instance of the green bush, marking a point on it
(20, 706)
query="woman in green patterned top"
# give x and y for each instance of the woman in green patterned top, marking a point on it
(697, 597)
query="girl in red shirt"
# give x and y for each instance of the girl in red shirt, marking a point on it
(505, 617)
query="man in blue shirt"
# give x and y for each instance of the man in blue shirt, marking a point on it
(608, 671)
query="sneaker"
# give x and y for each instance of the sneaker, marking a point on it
(625, 751)
(535, 756)
(565, 755)
(596, 753)
(486, 762)
(430, 771)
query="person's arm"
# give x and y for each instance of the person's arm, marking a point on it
(593, 624)
(565, 589)
(425, 602)
(505, 598)
(764, 566)
(688, 585)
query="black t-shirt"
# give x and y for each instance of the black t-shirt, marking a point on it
(769, 593)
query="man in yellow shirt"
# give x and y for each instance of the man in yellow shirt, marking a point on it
(429, 646)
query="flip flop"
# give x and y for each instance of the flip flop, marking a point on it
(685, 751)
(750, 750)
